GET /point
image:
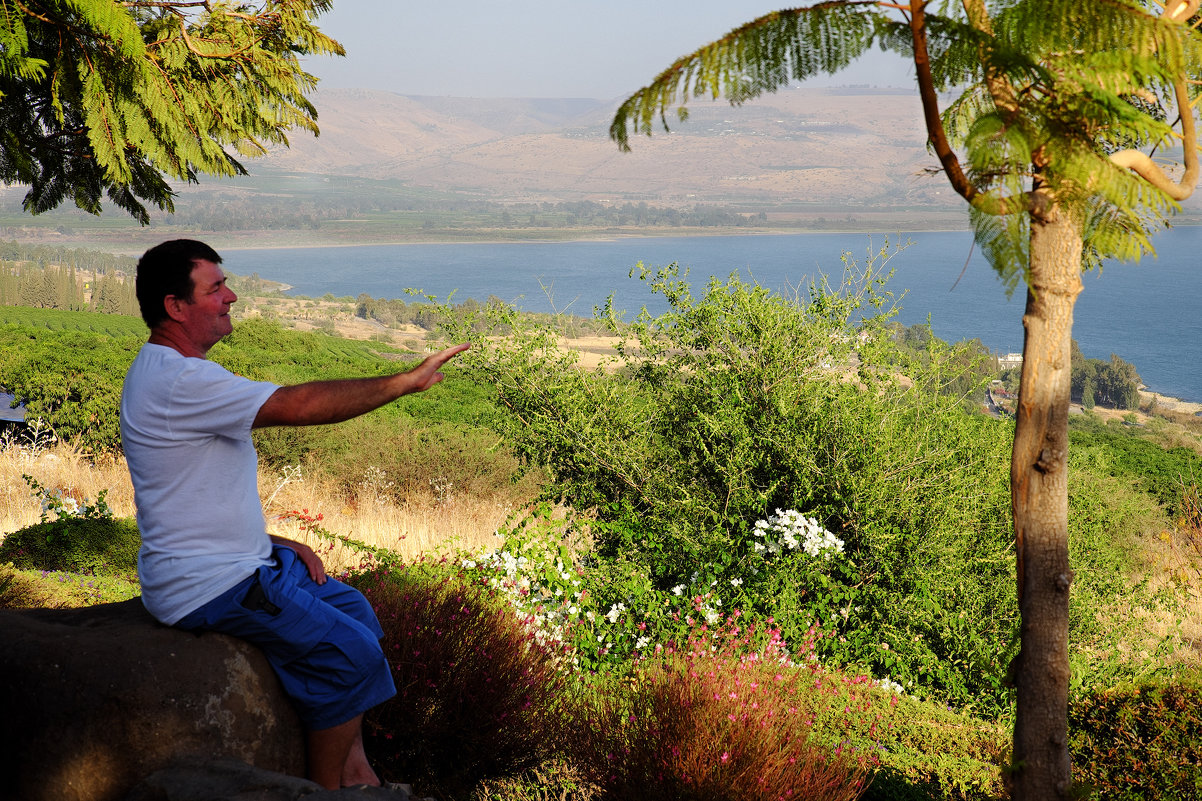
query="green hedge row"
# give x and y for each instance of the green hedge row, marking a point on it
(1140, 741)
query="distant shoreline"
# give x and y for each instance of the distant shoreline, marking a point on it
(1146, 395)
(611, 237)
(134, 241)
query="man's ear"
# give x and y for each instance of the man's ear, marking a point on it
(173, 305)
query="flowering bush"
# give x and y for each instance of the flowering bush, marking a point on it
(339, 548)
(606, 612)
(65, 507)
(82, 542)
(788, 531)
(535, 568)
(716, 719)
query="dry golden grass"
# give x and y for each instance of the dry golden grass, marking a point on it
(60, 468)
(419, 526)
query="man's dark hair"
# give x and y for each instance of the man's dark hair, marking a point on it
(166, 269)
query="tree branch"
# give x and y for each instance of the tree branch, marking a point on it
(930, 105)
(1141, 163)
(985, 202)
(1181, 11)
(1000, 90)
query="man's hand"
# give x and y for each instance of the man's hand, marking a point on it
(308, 557)
(426, 374)
(322, 402)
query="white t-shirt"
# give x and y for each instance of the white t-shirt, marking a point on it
(185, 428)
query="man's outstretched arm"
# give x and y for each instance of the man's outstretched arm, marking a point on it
(320, 402)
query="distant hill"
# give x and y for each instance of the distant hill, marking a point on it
(801, 147)
(390, 167)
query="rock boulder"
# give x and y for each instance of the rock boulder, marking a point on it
(96, 699)
(230, 780)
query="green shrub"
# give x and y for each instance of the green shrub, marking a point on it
(477, 695)
(1112, 601)
(1131, 455)
(1140, 741)
(413, 454)
(740, 403)
(612, 619)
(46, 589)
(70, 379)
(89, 546)
(927, 751)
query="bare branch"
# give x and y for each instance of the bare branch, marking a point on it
(1141, 163)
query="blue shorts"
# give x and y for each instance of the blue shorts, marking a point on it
(323, 640)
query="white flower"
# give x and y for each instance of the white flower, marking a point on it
(615, 612)
(642, 642)
(892, 686)
(678, 589)
(736, 582)
(789, 530)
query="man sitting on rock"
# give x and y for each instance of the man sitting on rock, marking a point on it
(207, 562)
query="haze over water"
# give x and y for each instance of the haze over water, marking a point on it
(1147, 313)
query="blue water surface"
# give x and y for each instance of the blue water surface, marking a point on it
(1147, 313)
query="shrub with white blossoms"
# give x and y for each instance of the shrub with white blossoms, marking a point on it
(601, 621)
(789, 530)
(543, 591)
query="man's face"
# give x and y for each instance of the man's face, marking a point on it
(207, 318)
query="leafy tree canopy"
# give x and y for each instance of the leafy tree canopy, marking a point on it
(1057, 102)
(119, 98)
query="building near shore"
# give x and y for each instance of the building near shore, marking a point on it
(1008, 361)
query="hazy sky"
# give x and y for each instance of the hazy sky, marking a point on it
(601, 49)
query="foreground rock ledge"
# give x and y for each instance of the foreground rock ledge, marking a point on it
(229, 780)
(96, 699)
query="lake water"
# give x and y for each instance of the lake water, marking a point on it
(1147, 313)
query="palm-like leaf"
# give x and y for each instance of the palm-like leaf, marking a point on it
(759, 57)
(101, 96)
(1079, 70)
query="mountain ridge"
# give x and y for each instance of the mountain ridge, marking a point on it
(803, 147)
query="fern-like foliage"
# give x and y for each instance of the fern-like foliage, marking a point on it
(759, 57)
(1086, 66)
(1046, 91)
(101, 97)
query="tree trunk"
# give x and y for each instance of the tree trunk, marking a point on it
(1039, 494)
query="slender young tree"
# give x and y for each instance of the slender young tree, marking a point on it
(1059, 107)
(119, 97)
